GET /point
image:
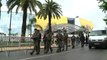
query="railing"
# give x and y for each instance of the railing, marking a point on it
(16, 45)
(7, 47)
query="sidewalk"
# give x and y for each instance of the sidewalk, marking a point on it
(20, 48)
(21, 54)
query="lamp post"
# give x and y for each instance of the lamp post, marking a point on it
(10, 25)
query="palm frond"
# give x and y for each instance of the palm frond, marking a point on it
(30, 9)
(28, 26)
(39, 4)
(9, 2)
(12, 3)
(32, 6)
(50, 6)
(39, 27)
(17, 9)
(103, 5)
(32, 21)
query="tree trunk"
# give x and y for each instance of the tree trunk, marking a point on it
(0, 12)
(30, 31)
(23, 32)
(49, 24)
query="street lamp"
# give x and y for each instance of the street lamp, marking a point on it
(10, 25)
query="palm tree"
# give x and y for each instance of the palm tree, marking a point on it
(103, 6)
(31, 23)
(24, 5)
(50, 9)
(29, 28)
(105, 20)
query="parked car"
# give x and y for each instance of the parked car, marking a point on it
(98, 38)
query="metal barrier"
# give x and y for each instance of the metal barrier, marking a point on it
(7, 47)
(14, 44)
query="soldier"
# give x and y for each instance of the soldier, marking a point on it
(73, 41)
(39, 40)
(48, 42)
(77, 40)
(59, 37)
(82, 39)
(45, 40)
(87, 37)
(36, 39)
(65, 40)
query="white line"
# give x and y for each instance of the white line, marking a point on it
(43, 56)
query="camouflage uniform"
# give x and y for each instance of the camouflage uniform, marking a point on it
(59, 37)
(36, 39)
(65, 40)
(48, 42)
(73, 41)
(82, 39)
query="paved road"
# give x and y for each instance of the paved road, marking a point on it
(73, 54)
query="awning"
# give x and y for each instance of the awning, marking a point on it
(69, 27)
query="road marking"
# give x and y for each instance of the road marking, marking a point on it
(44, 56)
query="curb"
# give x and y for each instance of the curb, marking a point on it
(20, 48)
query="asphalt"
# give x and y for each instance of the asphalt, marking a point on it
(77, 53)
(20, 54)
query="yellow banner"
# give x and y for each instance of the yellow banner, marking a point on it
(86, 23)
(43, 23)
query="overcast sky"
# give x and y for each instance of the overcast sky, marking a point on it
(87, 9)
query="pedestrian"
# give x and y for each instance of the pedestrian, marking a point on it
(82, 39)
(73, 41)
(39, 40)
(59, 38)
(36, 39)
(45, 40)
(87, 37)
(77, 40)
(48, 42)
(65, 40)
